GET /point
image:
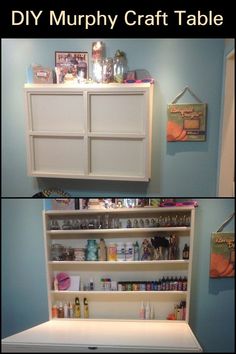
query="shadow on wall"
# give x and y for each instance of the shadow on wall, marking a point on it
(93, 187)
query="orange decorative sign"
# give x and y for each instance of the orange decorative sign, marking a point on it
(222, 261)
(186, 122)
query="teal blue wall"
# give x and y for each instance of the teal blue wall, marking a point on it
(23, 288)
(177, 168)
(24, 295)
(229, 47)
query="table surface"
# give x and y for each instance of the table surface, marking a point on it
(110, 333)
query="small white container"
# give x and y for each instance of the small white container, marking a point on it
(129, 251)
(120, 251)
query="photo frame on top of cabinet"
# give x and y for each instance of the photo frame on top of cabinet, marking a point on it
(75, 63)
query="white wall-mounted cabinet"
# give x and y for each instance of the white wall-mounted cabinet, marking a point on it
(93, 131)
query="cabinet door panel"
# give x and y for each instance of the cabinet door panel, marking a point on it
(117, 157)
(119, 113)
(51, 112)
(54, 154)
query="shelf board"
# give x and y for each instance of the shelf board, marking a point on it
(112, 232)
(145, 210)
(122, 293)
(121, 263)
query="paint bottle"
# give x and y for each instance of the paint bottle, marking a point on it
(147, 312)
(136, 251)
(55, 284)
(77, 308)
(60, 311)
(91, 284)
(54, 311)
(142, 311)
(186, 251)
(86, 308)
(71, 310)
(66, 312)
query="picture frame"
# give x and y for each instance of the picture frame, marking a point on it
(71, 66)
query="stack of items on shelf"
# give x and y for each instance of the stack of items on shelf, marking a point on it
(179, 312)
(107, 221)
(117, 203)
(70, 309)
(157, 248)
(62, 281)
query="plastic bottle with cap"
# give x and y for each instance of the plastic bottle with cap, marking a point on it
(77, 308)
(86, 308)
(142, 311)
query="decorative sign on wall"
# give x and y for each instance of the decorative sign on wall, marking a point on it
(222, 263)
(186, 122)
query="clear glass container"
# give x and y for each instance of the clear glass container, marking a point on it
(120, 67)
(107, 70)
(97, 71)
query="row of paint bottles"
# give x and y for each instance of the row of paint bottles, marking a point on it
(69, 309)
(146, 311)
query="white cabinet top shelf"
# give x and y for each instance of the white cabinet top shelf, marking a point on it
(96, 86)
(145, 211)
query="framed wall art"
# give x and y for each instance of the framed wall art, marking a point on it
(186, 121)
(222, 260)
(71, 66)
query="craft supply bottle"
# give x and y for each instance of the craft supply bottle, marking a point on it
(91, 284)
(66, 312)
(60, 311)
(129, 251)
(136, 251)
(86, 308)
(186, 251)
(152, 314)
(71, 310)
(147, 311)
(55, 284)
(77, 308)
(112, 252)
(142, 311)
(54, 311)
(102, 250)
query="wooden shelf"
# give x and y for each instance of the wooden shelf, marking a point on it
(120, 263)
(144, 210)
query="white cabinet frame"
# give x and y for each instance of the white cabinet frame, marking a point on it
(71, 133)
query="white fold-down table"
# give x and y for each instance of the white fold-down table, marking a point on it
(104, 336)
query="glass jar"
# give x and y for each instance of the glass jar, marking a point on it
(57, 252)
(120, 66)
(92, 250)
(107, 70)
(97, 71)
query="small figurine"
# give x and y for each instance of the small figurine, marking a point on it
(141, 223)
(146, 251)
(160, 244)
(173, 247)
(129, 224)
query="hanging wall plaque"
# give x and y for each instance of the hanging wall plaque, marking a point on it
(186, 122)
(222, 261)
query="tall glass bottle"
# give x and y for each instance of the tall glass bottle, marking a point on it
(120, 66)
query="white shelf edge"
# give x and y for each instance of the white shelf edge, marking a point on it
(118, 263)
(120, 210)
(117, 320)
(119, 231)
(110, 293)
